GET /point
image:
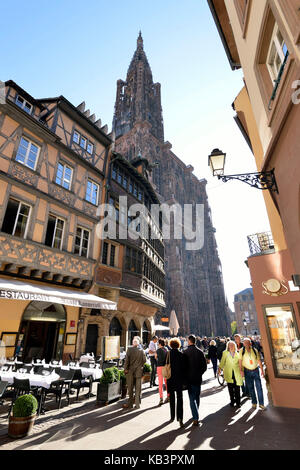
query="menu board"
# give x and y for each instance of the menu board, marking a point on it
(111, 347)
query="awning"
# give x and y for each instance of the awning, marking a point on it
(16, 290)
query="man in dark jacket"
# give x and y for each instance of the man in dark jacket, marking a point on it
(196, 366)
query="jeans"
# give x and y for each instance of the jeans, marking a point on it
(153, 362)
(194, 396)
(253, 377)
(214, 361)
(179, 407)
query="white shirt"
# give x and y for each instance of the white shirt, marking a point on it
(152, 348)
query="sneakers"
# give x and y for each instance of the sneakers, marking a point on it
(262, 407)
(167, 400)
(254, 405)
(161, 401)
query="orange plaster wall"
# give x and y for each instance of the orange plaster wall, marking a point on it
(285, 391)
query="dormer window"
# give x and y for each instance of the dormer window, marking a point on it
(23, 104)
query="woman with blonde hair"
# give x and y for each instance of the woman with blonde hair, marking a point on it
(230, 365)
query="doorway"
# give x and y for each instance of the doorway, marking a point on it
(91, 339)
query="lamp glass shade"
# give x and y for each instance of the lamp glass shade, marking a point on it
(217, 162)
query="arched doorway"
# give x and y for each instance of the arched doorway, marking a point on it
(145, 334)
(115, 327)
(42, 331)
(132, 332)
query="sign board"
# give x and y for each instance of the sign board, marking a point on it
(110, 347)
(165, 320)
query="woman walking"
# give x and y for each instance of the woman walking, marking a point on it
(230, 365)
(161, 355)
(176, 381)
(213, 355)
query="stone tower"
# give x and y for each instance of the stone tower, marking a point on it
(194, 282)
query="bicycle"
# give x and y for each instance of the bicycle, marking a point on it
(221, 379)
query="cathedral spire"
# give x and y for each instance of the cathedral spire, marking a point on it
(138, 98)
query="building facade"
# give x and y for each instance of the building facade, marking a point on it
(130, 270)
(52, 166)
(245, 313)
(262, 37)
(194, 282)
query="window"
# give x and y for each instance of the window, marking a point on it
(82, 242)
(16, 218)
(23, 104)
(125, 181)
(27, 153)
(133, 261)
(284, 339)
(92, 192)
(109, 253)
(64, 176)
(277, 53)
(83, 142)
(54, 233)
(90, 148)
(76, 137)
(114, 172)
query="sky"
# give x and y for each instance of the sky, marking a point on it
(80, 49)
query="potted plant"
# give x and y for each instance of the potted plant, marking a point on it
(146, 373)
(109, 387)
(23, 416)
(123, 383)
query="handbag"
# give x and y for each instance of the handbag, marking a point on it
(166, 370)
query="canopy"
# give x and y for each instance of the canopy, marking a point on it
(160, 328)
(16, 290)
(174, 325)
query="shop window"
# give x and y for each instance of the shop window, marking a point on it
(28, 153)
(16, 218)
(82, 242)
(284, 340)
(54, 233)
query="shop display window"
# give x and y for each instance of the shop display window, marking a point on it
(284, 340)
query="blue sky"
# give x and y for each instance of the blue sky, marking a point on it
(80, 49)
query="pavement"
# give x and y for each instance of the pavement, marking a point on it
(88, 426)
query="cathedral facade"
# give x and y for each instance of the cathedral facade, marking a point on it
(194, 281)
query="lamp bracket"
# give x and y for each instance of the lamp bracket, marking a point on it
(264, 180)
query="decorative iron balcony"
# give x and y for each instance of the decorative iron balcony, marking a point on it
(261, 243)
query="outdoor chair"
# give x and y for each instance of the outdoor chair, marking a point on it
(22, 387)
(55, 369)
(3, 388)
(18, 366)
(80, 382)
(25, 369)
(60, 386)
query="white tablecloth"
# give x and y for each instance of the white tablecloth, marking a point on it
(86, 371)
(35, 380)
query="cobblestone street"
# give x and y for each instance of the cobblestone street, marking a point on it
(84, 426)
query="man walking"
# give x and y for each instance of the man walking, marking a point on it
(133, 368)
(250, 362)
(196, 366)
(152, 352)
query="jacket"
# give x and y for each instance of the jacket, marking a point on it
(212, 352)
(161, 356)
(178, 370)
(230, 364)
(195, 365)
(134, 361)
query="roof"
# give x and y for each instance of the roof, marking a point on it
(221, 18)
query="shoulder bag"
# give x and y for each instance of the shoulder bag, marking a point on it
(166, 370)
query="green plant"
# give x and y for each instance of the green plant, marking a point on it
(110, 375)
(147, 368)
(25, 405)
(122, 376)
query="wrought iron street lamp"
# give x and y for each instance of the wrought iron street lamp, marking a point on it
(261, 180)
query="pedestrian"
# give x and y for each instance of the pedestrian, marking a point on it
(140, 346)
(161, 355)
(204, 343)
(152, 352)
(250, 363)
(133, 368)
(220, 348)
(176, 381)
(195, 367)
(167, 344)
(213, 356)
(230, 365)
(239, 345)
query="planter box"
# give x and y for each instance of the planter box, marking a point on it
(20, 427)
(108, 392)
